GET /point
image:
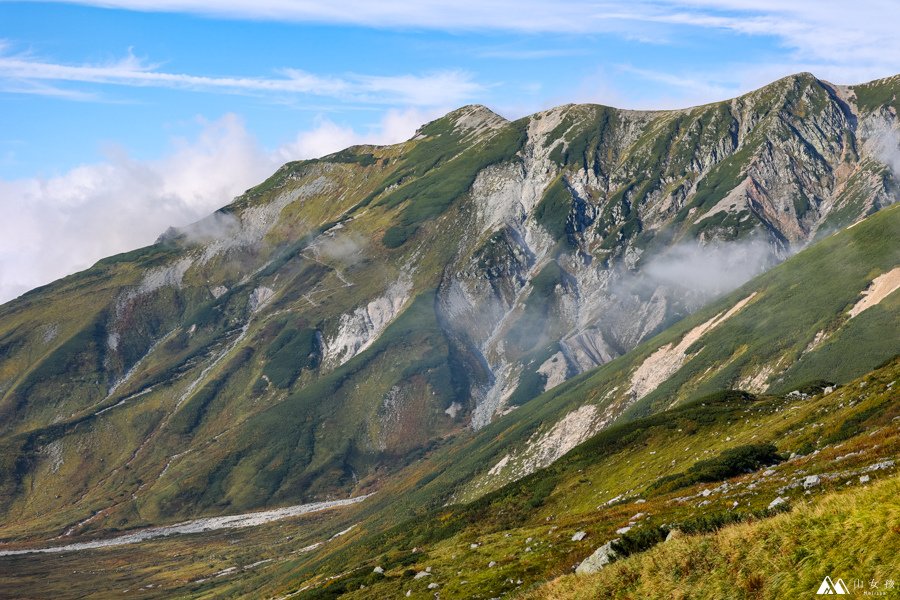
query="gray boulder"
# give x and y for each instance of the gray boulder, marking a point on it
(777, 502)
(601, 557)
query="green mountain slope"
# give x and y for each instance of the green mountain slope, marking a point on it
(353, 315)
(710, 470)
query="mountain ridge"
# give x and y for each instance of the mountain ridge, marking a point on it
(476, 106)
(401, 295)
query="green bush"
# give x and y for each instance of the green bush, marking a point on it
(541, 489)
(712, 522)
(638, 540)
(397, 235)
(729, 463)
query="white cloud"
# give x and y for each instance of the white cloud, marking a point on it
(24, 73)
(847, 43)
(527, 15)
(58, 225)
(821, 36)
(327, 136)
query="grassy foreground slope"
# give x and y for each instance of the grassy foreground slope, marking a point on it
(853, 535)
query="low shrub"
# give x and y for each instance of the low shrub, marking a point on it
(729, 463)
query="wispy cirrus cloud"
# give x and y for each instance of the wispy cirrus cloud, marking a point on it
(530, 53)
(27, 74)
(859, 40)
(818, 32)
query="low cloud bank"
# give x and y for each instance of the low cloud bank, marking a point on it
(705, 272)
(59, 225)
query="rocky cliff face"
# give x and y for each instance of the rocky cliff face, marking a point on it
(334, 322)
(566, 233)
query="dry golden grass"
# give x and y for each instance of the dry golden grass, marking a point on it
(853, 535)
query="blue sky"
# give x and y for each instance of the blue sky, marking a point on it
(112, 108)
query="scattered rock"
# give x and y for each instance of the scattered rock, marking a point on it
(422, 574)
(777, 502)
(623, 530)
(472, 546)
(612, 501)
(673, 533)
(811, 481)
(579, 535)
(639, 501)
(885, 464)
(378, 570)
(433, 586)
(601, 557)
(864, 479)
(638, 516)
(492, 564)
